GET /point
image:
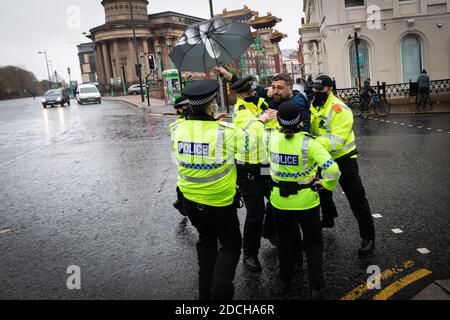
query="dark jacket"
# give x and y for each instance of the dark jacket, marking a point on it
(366, 90)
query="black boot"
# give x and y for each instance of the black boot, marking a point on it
(328, 222)
(251, 263)
(179, 206)
(367, 247)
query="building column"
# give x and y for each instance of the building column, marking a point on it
(164, 54)
(107, 63)
(131, 62)
(115, 56)
(100, 63)
(146, 53)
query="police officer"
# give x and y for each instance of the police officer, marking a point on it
(332, 122)
(294, 160)
(253, 183)
(204, 153)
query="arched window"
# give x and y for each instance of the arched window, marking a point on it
(411, 58)
(364, 61)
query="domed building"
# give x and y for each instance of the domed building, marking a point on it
(156, 34)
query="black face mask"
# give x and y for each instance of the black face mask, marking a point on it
(320, 98)
(253, 99)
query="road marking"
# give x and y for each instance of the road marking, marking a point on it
(395, 122)
(439, 130)
(402, 124)
(386, 274)
(377, 215)
(423, 250)
(395, 287)
(387, 121)
(420, 127)
(397, 230)
(410, 125)
(5, 231)
(428, 128)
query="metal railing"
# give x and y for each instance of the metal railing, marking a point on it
(408, 89)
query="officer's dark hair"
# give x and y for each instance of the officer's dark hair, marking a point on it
(201, 109)
(284, 77)
(424, 71)
(290, 132)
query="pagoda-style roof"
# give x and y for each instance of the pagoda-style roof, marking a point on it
(277, 36)
(243, 14)
(264, 22)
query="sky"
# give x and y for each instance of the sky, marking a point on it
(56, 26)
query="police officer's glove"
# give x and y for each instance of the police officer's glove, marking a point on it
(316, 185)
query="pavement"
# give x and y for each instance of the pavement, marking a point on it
(92, 187)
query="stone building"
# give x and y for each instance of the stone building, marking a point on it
(398, 38)
(88, 65)
(114, 46)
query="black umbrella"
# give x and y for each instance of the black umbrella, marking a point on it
(215, 42)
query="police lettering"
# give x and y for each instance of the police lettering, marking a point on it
(284, 159)
(193, 148)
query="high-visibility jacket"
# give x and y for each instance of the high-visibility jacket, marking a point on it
(333, 126)
(244, 116)
(203, 151)
(297, 160)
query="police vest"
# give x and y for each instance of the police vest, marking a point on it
(333, 126)
(204, 154)
(245, 115)
(297, 160)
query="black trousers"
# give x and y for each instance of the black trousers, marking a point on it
(351, 183)
(286, 224)
(217, 263)
(254, 188)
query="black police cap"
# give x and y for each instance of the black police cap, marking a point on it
(289, 114)
(181, 102)
(322, 81)
(201, 92)
(242, 85)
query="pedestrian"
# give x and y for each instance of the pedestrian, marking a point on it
(294, 160)
(423, 83)
(308, 88)
(366, 93)
(332, 123)
(204, 150)
(253, 182)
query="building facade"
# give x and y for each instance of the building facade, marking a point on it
(263, 58)
(88, 65)
(397, 39)
(156, 34)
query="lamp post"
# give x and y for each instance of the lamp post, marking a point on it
(356, 38)
(138, 66)
(70, 82)
(48, 70)
(56, 77)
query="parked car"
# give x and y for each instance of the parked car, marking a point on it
(55, 97)
(88, 93)
(135, 89)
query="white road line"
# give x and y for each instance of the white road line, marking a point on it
(395, 122)
(5, 231)
(428, 128)
(377, 216)
(397, 230)
(439, 130)
(423, 250)
(410, 125)
(420, 127)
(388, 121)
(402, 124)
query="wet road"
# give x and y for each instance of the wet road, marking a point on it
(92, 186)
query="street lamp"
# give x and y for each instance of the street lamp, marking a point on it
(138, 67)
(357, 41)
(56, 78)
(70, 82)
(48, 70)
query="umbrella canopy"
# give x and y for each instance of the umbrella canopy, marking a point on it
(215, 42)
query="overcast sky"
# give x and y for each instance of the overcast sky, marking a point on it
(28, 26)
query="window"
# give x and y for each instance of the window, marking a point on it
(354, 3)
(364, 61)
(411, 58)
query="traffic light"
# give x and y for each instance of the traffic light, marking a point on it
(152, 61)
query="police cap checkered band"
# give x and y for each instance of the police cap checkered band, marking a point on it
(203, 101)
(292, 122)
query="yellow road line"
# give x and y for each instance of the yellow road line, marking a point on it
(362, 288)
(395, 287)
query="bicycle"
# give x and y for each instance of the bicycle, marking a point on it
(377, 103)
(424, 98)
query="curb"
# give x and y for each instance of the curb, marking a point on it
(140, 106)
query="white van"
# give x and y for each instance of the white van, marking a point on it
(88, 93)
